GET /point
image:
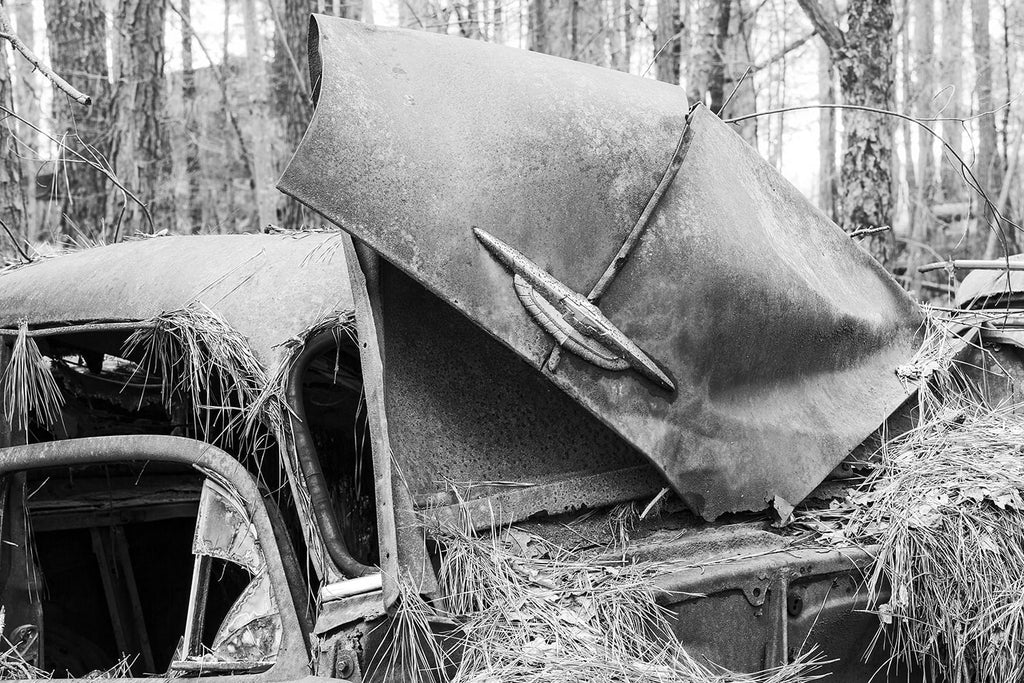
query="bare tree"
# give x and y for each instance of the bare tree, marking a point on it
(12, 195)
(951, 59)
(668, 42)
(188, 96)
(826, 132)
(863, 56)
(705, 74)
(28, 95)
(77, 33)
(291, 94)
(256, 74)
(923, 79)
(140, 145)
(989, 165)
(425, 15)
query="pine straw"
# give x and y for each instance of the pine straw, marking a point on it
(206, 365)
(28, 386)
(14, 667)
(944, 503)
(557, 618)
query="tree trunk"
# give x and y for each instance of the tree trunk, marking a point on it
(291, 93)
(537, 21)
(77, 34)
(738, 55)
(12, 195)
(27, 87)
(951, 81)
(141, 160)
(554, 27)
(468, 16)
(256, 74)
(188, 98)
(424, 15)
(863, 56)
(826, 133)
(866, 79)
(589, 32)
(498, 22)
(705, 78)
(989, 164)
(923, 89)
(622, 46)
(668, 40)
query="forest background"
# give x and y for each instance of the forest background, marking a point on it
(196, 107)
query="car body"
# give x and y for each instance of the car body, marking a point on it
(406, 378)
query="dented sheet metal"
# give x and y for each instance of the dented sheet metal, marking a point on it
(268, 287)
(777, 335)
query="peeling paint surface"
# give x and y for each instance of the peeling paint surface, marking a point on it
(781, 334)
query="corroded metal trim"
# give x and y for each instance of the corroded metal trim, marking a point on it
(549, 318)
(78, 328)
(293, 656)
(567, 315)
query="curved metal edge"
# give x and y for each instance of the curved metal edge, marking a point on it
(293, 659)
(309, 462)
(403, 553)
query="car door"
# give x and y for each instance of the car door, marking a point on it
(159, 557)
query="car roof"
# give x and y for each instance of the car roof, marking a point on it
(269, 287)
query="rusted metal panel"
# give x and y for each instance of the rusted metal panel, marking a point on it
(292, 663)
(779, 335)
(763, 609)
(268, 287)
(464, 413)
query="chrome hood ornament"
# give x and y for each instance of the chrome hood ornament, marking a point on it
(576, 324)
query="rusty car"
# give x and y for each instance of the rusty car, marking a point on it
(549, 293)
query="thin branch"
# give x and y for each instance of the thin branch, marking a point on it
(864, 232)
(661, 49)
(14, 241)
(826, 28)
(965, 171)
(781, 54)
(283, 35)
(99, 167)
(972, 264)
(7, 33)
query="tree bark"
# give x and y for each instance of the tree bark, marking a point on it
(705, 76)
(863, 56)
(669, 40)
(498, 22)
(291, 94)
(924, 176)
(738, 56)
(537, 21)
(588, 30)
(826, 133)
(141, 160)
(28, 95)
(622, 45)
(12, 191)
(467, 13)
(424, 15)
(951, 82)
(77, 34)
(989, 164)
(256, 73)
(193, 202)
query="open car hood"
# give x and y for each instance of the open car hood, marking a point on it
(746, 346)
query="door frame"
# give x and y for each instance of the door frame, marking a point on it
(293, 659)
